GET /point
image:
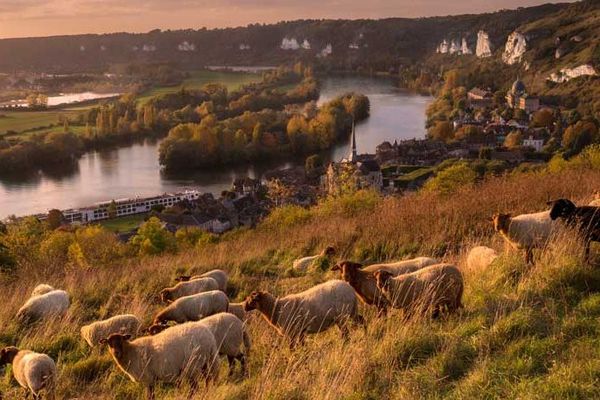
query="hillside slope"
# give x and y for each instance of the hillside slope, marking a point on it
(525, 332)
(377, 44)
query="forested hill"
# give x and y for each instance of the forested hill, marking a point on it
(378, 44)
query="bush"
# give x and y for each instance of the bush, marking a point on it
(451, 179)
(152, 238)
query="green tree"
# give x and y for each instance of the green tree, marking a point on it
(451, 179)
(55, 219)
(112, 209)
(152, 238)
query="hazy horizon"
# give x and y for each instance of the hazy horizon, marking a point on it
(34, 18)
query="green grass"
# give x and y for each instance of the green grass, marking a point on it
(123, 224)
(18, 121)
(232, 80)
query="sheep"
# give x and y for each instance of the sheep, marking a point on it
(217, 274)
(586, 219)
(480, 257)
(431, 289)
(311, 311)
(188, 288)
(525, 231)
(595, 203)
(125, 324)
(237, 309)
(194, 307)
(183, 352)
(54, 303)
(363, 280)
(302, 264)
(229, 333)
(33, 371)
(41, 289)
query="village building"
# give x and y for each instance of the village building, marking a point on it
(479, 98)
(361, 171)
(534, 141)
(517, 97)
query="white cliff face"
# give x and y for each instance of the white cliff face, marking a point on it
(464, 48)
(484, 46)
(244, 47)
(443, 47)
(289, 44)
(566, 74)
(516, 46)
(327, 51)
(149, 48)
(454, 47)
(306, 45)
(186, 46)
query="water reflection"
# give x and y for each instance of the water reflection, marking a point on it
(134, 170)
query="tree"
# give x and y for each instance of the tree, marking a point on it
(513, 140)
(442, 130)
(278, 192)
(312, 164)
(543, 118)
(451, 179)
(112, 209)
(55, 219)
(577, 136)
(485, 153)
(152, 238)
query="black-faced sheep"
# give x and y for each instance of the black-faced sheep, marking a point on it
(429, 290)
(217, 274)
(35, 372)
(182, 289)
(51, 304)
(304, 263)
(311, 311)
(586, 219)
(125, 324)
(184, 352)
(525, 232)
(193, 308)
(364, 283)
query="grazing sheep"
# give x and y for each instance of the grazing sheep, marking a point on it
(33, 371)
(311, 311)
(586, 219)
(124, 324)
(431, 289)
(525, 231)
(237, 309)
(302, 264)
(217, 274)
(194, 307)
(41, 289)
(364, 283)
(183, 352)
(54, 303)
(229, 334)
(480, 257)
(182, 289)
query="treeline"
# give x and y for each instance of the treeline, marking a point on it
(260, 135)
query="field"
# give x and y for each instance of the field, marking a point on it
(123, 224)
(528, 332)
(232, 80)
(18, 121)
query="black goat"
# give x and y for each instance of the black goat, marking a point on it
(586, 219)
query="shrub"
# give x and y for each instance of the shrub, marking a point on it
(451, 179)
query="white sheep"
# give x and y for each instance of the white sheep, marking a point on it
(188, 288)
(311, 311)
(184, 352)
(429, 290)
(229, 333)
(364, 283)
(54, 303)
(194, 307)
(304, 263)
(124, 324)
(480, 257)
(41, 289)
(33, 371)
(526, 231)
(217, 274)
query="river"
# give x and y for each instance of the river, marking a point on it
(134, 170)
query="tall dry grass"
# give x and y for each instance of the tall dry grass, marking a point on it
(525, 332)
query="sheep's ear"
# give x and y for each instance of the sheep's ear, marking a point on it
(551, 202)
(103, 341)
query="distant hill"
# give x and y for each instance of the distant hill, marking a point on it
(377, 44)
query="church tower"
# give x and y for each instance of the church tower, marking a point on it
(353, 157)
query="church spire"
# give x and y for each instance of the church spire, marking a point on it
(353, 156)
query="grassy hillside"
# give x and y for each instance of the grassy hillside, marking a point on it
(525, 332)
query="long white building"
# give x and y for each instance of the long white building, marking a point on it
(99, 211)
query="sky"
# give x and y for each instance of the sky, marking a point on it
(25, 18)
